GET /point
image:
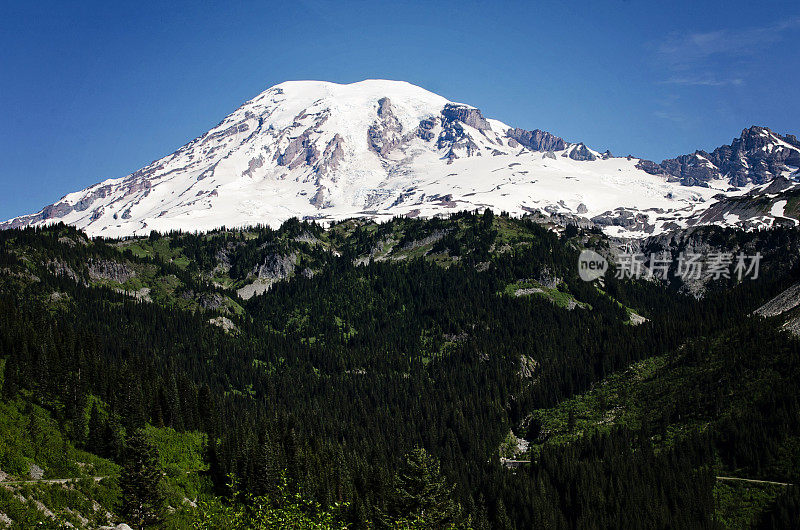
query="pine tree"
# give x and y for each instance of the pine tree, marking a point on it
(95, 441)
(140, 481)
(422, 494)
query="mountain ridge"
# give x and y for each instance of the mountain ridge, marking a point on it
(377, 148)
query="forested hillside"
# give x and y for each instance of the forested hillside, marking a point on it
(373, 375)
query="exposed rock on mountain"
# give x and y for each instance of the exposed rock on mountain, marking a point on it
(276, 267)
(757, 156)
(580, 152)
(536, 140)
(467, 115)
(110, 270)
(385, 133)
(378, 149)
(785, 301)
(763, 206)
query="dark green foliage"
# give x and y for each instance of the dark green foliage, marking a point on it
(140, 481)
(785, 513)
(422, 493)
(333, 376)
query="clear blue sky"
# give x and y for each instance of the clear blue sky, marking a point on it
(101, 89)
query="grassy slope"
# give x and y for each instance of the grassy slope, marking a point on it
(30, 435)
(86, 502)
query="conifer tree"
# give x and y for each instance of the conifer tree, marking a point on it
(143, 499)
(422, 494)
(95, 441)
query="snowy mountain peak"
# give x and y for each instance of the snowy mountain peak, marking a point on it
(379, 148)
(757, 156)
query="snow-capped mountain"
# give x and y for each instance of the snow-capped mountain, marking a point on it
(757, 156)
(377, 148)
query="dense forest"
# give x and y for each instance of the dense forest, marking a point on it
(442, 373)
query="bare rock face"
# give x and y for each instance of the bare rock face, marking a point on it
(386, 133)
(635, 319)
(319, 198)
(776, 260)
(581, 153)
(61, 268)
(625, 218)
(48, 212)
(454, 137)
(110, 270)
(225, 323)
(299, 151)
(253, 165)
(649, 166)
(754, 207)
(332, 155)
(276, 266)
(757, 156)
(536, 140)
(778, 185)
(425, 129)
(211, 301)
(466, 115)
(527, 366)
(785, 301)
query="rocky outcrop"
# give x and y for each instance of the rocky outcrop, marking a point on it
(225, 323)
(332, 155)
(581, 153)
(35, 472)
(425, 129)
(386, 133)
(62, 268)
(626, 218)
(301, 150)
(785, 301)
(253, 165)
(648, 166)
(527, 366)
(52, 211)
(319, 198)
(110, 270)
(537, 140)
(755, 209)
(455, 139)
(254, 289)
(776, 261)
(276, 267)
(465, 114)
(757, 156)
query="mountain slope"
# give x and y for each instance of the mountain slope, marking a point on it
(376, 338)
(757, 156)
(377, 148)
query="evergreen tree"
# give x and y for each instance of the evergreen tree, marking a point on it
(143, 499)
(422, 494)
(96, 442)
